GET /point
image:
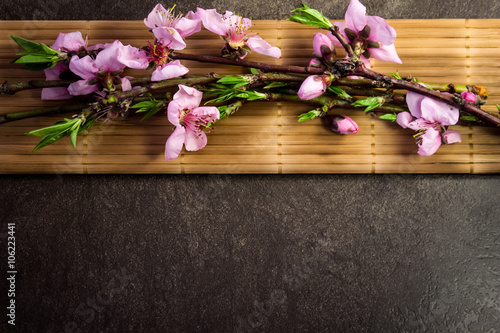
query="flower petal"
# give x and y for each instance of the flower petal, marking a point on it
(386, 53)
(83, 67)
(195, 140)
(169, 71)
(355, 16)
(431, 141)
(312, 87)
(81, 88)
(213, 21)
(54, 94)
(187, 97)
(436, 111)
(71, 41)
(321, 39)
(132, 57)
(170, 37)
(53, 73)
(257, 44)
(174, 112)
(188, 26)
(126, 85)
(156, 17)
(380, 30)
(414, 102)
(451, 136)
(107, 59)
(404, 119)
(174, 143)
(208, 113)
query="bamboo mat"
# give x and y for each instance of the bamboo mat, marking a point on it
(263, 137)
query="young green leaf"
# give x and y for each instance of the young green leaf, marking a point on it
(370, 103)
(275, 84)
(233, 79)
(339, 92)
(49, 139)
(36, 53)
(498, 107)
(34, 59)
(469, 118)
(389, 116)
(396, 76)
(309, 115)
(151, 107)
(254, 71)
(74, 133)
(310, 17)
(58, 127)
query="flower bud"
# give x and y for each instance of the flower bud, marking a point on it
(322, 44)
(468, 96)
(341, 124)
(314, 86)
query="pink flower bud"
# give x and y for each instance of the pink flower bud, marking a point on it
(468, 96)
(322, 44)
(342, 124)
(313, 86)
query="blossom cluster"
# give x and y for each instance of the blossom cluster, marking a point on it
(97, 70)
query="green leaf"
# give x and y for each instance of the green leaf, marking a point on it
(49, 139)
(233, 79)
(389, 116)
(396, 76)
(275, 84)
(254, 71)
(33, 58)
(36, 53)
(339, 92)
(370, 103)
(151, 107)
(309, 115)
(469, 118)
(74, 133)
(26, 45)
(251, 95)
(310, 17)
(63, 126)
(48, 50)
(498, 107)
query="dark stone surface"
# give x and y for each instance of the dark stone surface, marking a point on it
(207, 253)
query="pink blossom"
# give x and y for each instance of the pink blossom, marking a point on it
(379, 33)
(342, 124)
(430, 119)
(171, 29)
(115, 57)
(72, 41)
(189, 120)
(233, 29)
(313, 86)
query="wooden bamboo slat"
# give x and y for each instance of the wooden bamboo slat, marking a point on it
(263, 137)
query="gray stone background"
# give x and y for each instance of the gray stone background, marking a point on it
(263, 253)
